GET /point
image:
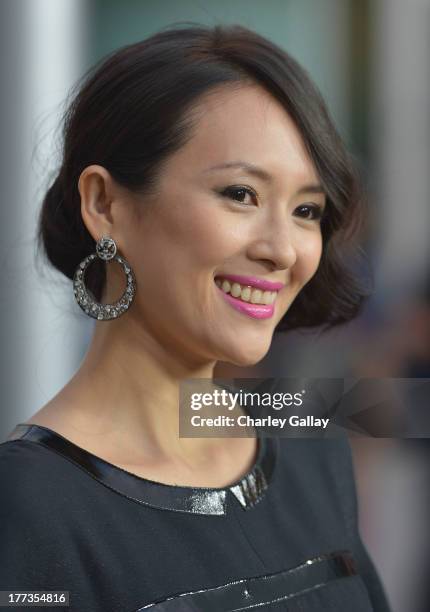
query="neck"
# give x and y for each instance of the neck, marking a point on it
(131, 387)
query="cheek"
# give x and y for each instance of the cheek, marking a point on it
(207, 237)
(308, 257)
(202, 239)
(185, 239)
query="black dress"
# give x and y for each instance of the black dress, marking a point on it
(282, 538)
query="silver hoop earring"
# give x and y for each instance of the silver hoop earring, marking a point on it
(105, 250)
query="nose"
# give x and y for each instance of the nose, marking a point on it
(274, 245)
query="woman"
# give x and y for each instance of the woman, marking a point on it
(203, 158)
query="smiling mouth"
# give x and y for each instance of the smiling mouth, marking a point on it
(246, 293)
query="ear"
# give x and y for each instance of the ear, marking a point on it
(96, 188)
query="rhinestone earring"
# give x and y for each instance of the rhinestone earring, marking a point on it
(105, 250)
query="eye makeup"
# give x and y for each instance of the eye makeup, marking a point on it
(317, 211)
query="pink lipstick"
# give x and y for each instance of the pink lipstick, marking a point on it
(257, 311)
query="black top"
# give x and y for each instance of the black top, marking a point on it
(284, 537)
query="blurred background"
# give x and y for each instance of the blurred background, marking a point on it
(370, 58)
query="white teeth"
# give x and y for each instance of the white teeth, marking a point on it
(226, 286)
(256, 296)
(267, 296)
(236, 290)
(247, 294)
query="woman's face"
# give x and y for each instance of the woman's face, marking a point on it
(213, 218)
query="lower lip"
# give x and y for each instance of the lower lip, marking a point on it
(256, 311)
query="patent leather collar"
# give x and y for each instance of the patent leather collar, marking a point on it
(249, 490)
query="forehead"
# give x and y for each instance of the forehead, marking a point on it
(247, 123)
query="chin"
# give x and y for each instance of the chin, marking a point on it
(245, 363)
(247, 357)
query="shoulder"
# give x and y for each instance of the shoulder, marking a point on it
(26, 458)
(321, 470)
(326, 457)
(21, 458)
(36, 482)
(27, 471)
(34, 515)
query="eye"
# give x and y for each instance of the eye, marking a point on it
(316, 211)
(238, 193)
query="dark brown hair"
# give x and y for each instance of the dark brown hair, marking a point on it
(132, 111)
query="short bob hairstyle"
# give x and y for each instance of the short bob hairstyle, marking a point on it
(134, 109)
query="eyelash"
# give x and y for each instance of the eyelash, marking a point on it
(317, 210)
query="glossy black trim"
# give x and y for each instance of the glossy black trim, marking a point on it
(195, 500)
(262, 590)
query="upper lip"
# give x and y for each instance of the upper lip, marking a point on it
(253, 281)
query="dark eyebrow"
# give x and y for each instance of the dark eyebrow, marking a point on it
(263, 174)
